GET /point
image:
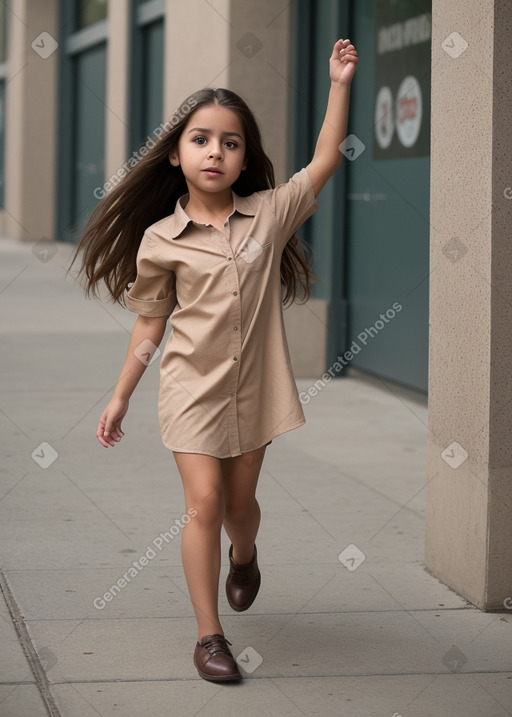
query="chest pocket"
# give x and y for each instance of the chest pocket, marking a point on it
(251, 251)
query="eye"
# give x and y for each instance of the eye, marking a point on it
(232, 144)
(199, 140)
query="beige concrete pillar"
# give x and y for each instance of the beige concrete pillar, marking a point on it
(31, 116)
(196, 49)
(117, 86)
(469, 487)
(260, 71)
(241, 46)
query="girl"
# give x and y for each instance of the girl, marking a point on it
(221, 267)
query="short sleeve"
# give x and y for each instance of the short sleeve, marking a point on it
(292, 202)
(153, 293)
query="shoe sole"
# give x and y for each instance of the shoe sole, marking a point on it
(219, 678)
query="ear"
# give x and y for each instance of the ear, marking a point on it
(174, 158)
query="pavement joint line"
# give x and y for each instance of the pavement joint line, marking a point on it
(302, 676)
(372, 488)
(256, 614)
(178, 566)
(29, 650)
(276, 684)
(175, 566)
(492, 696)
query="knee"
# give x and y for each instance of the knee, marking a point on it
(237, 514)
(209, 510)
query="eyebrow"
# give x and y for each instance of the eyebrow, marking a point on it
(208, 131)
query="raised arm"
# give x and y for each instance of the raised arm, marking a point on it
(327, 157)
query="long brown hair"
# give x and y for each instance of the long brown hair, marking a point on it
(149, 191)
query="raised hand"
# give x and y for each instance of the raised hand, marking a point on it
(343, 62)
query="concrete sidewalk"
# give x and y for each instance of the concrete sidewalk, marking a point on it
(347, 622)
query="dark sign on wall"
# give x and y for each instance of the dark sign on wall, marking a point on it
(402, 79)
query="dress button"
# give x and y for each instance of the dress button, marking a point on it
(235, 328)
(235, 358)
(229, 258)
(231, 394)
(235, 293)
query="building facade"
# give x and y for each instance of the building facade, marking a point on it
(87, 82)
(411, 240)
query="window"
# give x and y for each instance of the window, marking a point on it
(90, 12)
(147, 70)
(83, 33)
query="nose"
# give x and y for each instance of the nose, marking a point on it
(215, 152)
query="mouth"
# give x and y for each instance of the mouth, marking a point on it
(212, 171)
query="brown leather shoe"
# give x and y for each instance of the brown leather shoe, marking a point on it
(214, 661)
(243, 582)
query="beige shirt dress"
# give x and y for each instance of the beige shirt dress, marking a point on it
(226, 381)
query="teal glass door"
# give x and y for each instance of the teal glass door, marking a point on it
(82, 113)
(147, 71)
(152, 88)
(387, 191)
(89, 131)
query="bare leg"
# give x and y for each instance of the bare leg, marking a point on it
(200, 544)
(242, 516)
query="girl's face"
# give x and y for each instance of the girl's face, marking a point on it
(211, 149)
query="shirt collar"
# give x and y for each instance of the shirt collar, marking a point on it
(242, 205)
